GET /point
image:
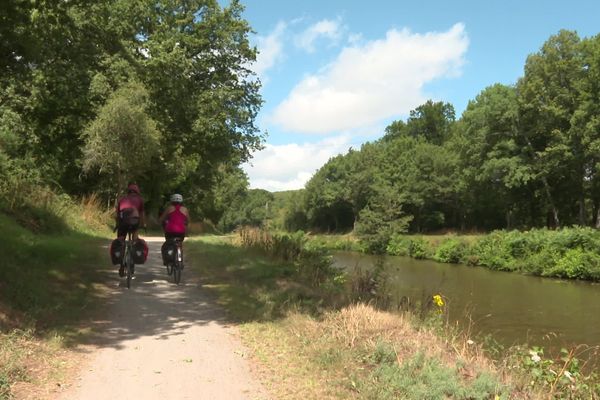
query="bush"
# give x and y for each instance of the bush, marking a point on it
(399, 245)
(576, 264)
(450, 251)
(419, 248)
(492, 251)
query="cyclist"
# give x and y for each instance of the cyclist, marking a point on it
(130, 214)
(174, 220)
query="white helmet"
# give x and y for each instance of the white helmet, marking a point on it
(176, 198)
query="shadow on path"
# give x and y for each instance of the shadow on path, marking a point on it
(153, 306)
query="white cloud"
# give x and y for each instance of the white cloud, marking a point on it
(327, 28)
(290, 166)
(270, 50)
(370, 82)
(355, 39)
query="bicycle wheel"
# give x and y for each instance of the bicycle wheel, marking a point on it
(169, 268)
(177, 266)
(129, 267)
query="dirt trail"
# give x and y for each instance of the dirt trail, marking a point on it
(163, 341)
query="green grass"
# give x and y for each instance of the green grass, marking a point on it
(48, 284)
(250, 285)
(48, 279)
(309, 348)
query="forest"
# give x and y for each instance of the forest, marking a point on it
(161, 93)
(96, 95)
(520, 156)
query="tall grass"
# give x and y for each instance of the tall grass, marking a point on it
(571, 253)
(313, 262)
(311, 347)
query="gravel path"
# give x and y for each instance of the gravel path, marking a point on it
(163, 341)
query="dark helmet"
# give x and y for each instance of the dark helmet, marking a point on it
(133, 188)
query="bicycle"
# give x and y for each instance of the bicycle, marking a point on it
(175, 266)
(127, 261)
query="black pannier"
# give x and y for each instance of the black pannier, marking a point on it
(117, 248)
(140, 251)
(168, 250)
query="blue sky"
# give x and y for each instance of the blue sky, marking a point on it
(335, 73)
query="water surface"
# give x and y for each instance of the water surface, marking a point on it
(513, 308)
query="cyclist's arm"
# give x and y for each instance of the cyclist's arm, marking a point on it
(165, 213)
(185, 212)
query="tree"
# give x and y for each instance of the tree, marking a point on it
(195, 58)
(494, 155)
(585, 122)
(547, 96)
(123, 141)
(431, 121)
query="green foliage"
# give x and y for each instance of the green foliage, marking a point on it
(450, 251)
(570, 253)
(123, 141)
(422, 377)
(577, 264)
(30, 261)
(153, 91)
(312, 261)
(251, 208)
(399, 245)
(419, 248)
(521, 156)
(560, 378)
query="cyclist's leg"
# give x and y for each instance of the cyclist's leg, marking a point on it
(122, 235)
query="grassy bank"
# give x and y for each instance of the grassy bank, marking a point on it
(311, 343)
(47, 285)
(571, 253)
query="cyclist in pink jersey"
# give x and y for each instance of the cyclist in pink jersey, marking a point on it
(174, 221)
(175, 218)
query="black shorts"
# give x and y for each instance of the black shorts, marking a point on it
(171, 236)
(129, 226)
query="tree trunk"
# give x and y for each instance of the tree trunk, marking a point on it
(554, 209)
(582, 210)
(508, 219)
(546, 186)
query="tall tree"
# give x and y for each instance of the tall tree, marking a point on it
(123, 141)
(547, 96)
(494, 156)
(431, 121)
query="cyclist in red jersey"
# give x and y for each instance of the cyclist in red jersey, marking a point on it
(130, 212)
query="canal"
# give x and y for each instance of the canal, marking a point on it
(512, 308)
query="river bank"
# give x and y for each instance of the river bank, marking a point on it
(568, 253)
(311, 343)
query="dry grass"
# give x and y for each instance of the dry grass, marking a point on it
(39, 367)
(93, 213)
(302, 357)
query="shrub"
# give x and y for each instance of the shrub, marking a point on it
(576, 264)
(418, 248)
(399, 245)
(492, 252)
(450, 251)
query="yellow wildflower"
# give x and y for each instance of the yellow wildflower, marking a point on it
(437, 299)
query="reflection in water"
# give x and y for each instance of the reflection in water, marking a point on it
(513, 308)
